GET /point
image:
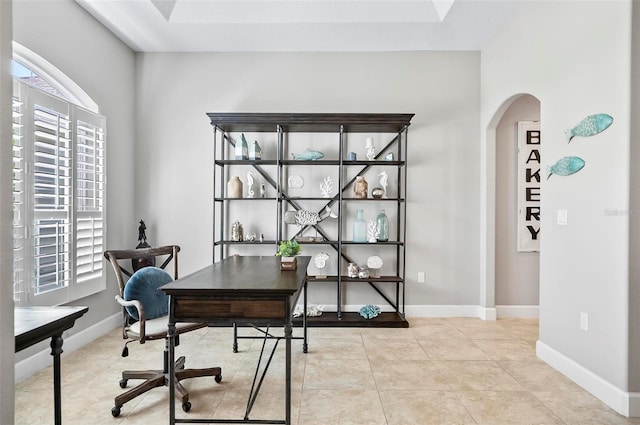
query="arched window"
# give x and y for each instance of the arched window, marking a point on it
(58, 185)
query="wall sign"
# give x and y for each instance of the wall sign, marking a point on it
(528, 223)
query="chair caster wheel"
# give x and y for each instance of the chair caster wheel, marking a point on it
(115, 411)
(123, 383)
(218, 379)
(186, 406)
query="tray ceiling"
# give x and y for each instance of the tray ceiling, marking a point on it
(302, 25)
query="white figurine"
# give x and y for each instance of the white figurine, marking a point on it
(371, 149)
(383, 182)
(372, 231)
(251, 193)
(326, 187)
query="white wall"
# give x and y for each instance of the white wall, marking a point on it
(174, 167)
(517, 273)
(73, 41)
(6, 218)
(575, 58)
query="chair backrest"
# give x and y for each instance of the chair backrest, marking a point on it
(118, 259)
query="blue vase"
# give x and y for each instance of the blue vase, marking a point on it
(383, 227)
(359, 227)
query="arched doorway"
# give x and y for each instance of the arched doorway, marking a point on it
(510, 278)
(517, 266)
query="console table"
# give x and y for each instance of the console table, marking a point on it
(243, 290)
(35, 324)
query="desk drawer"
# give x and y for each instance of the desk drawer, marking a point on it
(190, 309)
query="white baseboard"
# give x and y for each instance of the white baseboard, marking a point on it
(625, 403)
(43, 359)
(484, 313)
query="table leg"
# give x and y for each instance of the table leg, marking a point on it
(171, 341)
(288, 331)
(56, 351)
(305, 346)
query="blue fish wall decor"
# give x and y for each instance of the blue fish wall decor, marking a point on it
(565, 166)
(590, 126)
(308, 155)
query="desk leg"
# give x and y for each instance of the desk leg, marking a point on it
(56, 351)
(288, 331)
(305, 346)
(172, 372)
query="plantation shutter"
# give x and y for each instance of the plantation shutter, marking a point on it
(90, 190)
(19, 175)
(52, 180)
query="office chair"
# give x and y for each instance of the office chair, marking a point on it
(145, 318)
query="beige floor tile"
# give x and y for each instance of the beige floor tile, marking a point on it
(581, 408)
(341, 407)
(506, 349)
(401, 350)
(322, 374)
(338, 348)
(452, 349)
(269, 404)
(408, 375)
(431, 373)
(483, 375)
(437, 330)
(535, 375)
(507, 408)
(424, 408)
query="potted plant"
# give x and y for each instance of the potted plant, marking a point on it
(287, 251)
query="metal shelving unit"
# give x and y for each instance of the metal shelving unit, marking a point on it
(272, 170)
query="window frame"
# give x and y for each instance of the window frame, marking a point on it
(92, 273)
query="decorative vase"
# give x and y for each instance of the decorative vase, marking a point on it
(359, 227)
(360, 188)
(383, 227)
(234, 187)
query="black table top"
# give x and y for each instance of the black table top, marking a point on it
(35, 324)
(242, 275)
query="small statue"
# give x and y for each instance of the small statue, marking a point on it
(352, 270)
(360, 188)
(237, 232)
(138, 263)
(142, 236)
(383, 182)
(254, 151)
(250, 192)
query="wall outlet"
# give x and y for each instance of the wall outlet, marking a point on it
(420, 277)
(584, 322)
(562, 217)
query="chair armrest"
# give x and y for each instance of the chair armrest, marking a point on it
(138, 306)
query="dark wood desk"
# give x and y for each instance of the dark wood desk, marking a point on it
(35, 324)
(244, 290)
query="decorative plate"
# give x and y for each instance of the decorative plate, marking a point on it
(296, 181)
(374, 262)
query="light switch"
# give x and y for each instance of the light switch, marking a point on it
(562, 217)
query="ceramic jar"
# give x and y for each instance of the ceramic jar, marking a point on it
(234, 187)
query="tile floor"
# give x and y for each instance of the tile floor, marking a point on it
(439, 371)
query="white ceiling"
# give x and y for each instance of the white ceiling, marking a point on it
(302, 25)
